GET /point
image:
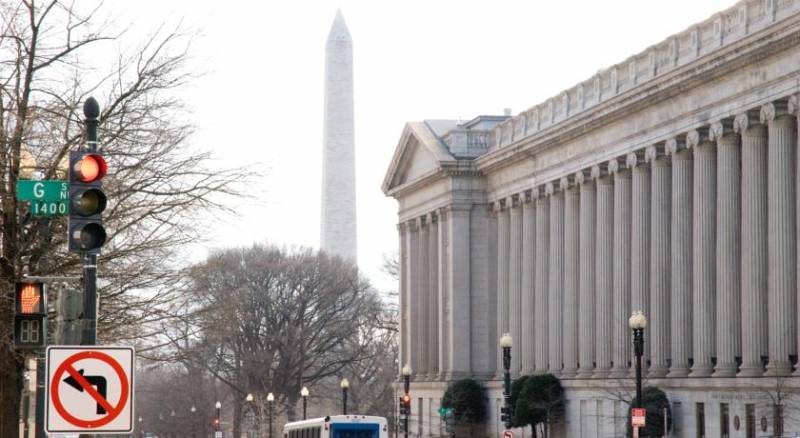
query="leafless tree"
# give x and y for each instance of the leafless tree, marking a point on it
(157, 184)
(274, 320)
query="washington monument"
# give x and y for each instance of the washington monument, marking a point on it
(338, 222)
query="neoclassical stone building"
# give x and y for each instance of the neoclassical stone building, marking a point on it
(667, 183)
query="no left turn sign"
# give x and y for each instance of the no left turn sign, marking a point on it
(89, 389)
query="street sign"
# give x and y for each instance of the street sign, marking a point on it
(508, 434)
(638, 416)
(50, 208)
(44, 190)
(89, 389)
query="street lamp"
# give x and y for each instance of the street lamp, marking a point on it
(249, 398)
(637, 323)
(304, 394)
(218, 420)
(141, 431)
(505, 412)
(345, 384)
(270, 399)
(406, 371)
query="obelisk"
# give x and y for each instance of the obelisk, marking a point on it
(338, 222)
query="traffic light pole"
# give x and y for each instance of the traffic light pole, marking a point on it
(89, 337)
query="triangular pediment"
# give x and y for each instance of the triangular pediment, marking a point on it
(419, 153)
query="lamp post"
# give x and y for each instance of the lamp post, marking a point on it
(218, 420)
(194, 423)
(406, 371)
(345, 384)
(270, 399)
(637, 323)
(505, 343)
(304, 393)
(141, 431)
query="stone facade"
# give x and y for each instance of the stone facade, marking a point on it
(667, 183)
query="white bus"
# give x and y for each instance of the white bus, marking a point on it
(338, 426)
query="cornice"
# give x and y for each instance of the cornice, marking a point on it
(772, 39)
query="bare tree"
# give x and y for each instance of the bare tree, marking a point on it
(157, 184)
(275, 320)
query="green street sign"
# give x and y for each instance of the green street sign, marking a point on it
(50, 208)
(45, 190)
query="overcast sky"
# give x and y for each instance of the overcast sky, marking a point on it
(261, 101)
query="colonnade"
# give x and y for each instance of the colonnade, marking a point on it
(698, 230)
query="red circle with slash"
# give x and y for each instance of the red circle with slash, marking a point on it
(112, 411)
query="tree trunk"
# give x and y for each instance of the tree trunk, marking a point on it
(237, 415)
(10, 388)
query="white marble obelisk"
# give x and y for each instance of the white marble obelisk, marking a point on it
(338, 222)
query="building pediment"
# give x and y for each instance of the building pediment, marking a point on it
(419, 155)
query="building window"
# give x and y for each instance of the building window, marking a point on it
(777, 420)
(677, 415)
(750, 420)
(421, 418)
(700, 412)
(724, 421)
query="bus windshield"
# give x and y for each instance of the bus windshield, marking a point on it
(354, 430)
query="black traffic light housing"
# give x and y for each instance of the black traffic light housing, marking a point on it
(506, 416)
(87, 201)
(30, 314)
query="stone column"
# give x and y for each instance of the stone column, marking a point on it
(728, 247)
(503, 237)
(515, 282)
(588, 240)
(433, 295)
(622, 269)
(704, 234)
(411, 261)
(423, 312)
(402, 231)
(640, 242)
(542, 251)
(528, 287)
(604, 274)
(571, 277)
(555, 281)
(459, 340)
(659, 315)
(794, 108)
(754, 243)
(681, 258)
(782, 242)
(443, 304)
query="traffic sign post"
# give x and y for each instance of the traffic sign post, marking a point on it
(89, 389)
(638, 419)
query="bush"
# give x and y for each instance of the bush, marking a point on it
(465, 397)
(654, 400)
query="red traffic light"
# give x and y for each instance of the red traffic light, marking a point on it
(30, 298)
(90, 168)
(406, 400)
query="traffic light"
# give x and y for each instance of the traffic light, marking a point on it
(406, 400)
(216, 424)
(505, 415)
(87, 202)
(30, 314)
(401, 408)
(450, 423)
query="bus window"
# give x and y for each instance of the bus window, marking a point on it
(354, 430)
